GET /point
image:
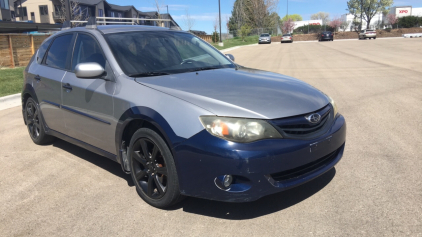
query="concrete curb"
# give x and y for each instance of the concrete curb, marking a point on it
(10, 101)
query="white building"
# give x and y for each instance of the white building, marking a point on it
(400, 11)
(305, 23)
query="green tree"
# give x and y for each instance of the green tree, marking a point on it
(255, 13)
(366, 9)
(293, 17)
(244, 31)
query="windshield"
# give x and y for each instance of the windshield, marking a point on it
(152, 53)
(265, 35)
(286, 35)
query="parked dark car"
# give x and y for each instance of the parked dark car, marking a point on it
(326, 35)
(179, 116)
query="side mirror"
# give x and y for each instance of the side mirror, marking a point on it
(230, 56)
(88, 70)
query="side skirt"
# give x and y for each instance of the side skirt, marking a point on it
(82, 144)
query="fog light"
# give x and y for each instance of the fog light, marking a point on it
(227, 180)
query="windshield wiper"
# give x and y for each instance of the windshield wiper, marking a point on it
(149, 74)
(203, 69)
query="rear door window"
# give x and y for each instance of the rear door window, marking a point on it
(58, 53)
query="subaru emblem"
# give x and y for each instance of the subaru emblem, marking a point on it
(313, 118)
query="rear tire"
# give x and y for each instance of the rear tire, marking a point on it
(153, 169)
(35, 124)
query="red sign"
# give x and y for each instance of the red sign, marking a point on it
(403, 11)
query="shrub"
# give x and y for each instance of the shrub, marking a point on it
(388, 29)
(244, 31)
(409, 21)
(215, 37)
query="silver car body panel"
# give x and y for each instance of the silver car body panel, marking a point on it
(179, 98)
(242, 93)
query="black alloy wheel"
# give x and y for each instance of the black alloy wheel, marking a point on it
(150, 168)
(35, 124)
(32, 120)
(153, 169)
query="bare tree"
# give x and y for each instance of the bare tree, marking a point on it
(259, 12)
(216, 23)
(158, 4)
(76, 12)
(324, 16)
(344, 25)
(227, 26)
(189, 20)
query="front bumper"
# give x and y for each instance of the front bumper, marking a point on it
(255, 166)
(264, 41)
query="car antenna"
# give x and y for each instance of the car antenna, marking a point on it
(66, 25)
(92, 23)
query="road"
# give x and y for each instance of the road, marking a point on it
(375, 190)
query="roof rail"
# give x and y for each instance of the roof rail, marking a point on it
(66, 25)
(92, 23)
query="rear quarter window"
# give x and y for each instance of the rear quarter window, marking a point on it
(42, 49)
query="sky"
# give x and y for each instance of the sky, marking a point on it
(205, 11)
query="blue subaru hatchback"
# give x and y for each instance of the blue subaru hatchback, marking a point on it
(179, 116)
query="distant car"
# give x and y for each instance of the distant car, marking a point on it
(264, 39)
(326, 35)
(368, 34)
(287, 38)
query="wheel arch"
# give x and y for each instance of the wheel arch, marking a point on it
(143, 117)
(28, 91)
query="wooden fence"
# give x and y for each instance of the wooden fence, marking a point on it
(17, 49)
(207, 38)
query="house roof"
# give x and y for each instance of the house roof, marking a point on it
(88, 2)
(150, 14)
(120, 8)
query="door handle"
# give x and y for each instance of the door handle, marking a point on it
(37, 77)
(67, 86)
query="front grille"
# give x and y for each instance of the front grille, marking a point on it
(304, 169)
(299, 127)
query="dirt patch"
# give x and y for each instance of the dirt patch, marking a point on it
(353, 35)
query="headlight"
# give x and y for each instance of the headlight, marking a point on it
(239, 129)
(334, 105)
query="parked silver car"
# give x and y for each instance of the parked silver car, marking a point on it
(287, 38)
(264, 39)
(367, 34)
(178, 115)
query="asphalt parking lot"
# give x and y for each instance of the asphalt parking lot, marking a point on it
(376, 190)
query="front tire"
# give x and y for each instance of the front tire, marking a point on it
(153, 169)
(35, 124)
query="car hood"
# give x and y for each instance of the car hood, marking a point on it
(245, 92)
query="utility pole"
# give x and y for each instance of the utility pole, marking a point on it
(361, 14)
(219, 16)
(167, 9)
(67, 6)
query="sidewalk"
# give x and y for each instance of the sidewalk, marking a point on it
(10, 101)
